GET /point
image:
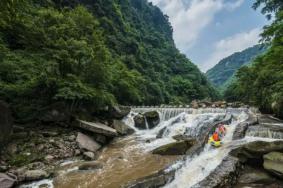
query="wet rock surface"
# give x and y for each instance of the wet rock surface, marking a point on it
(158, 179)
(7, 181)
(175, 148)
(96, 127)
(152, 118)
(140, 121)
(87, 143)
(273, 163)
(122, 128)
(224, 175)
(256, 149)
(90, 166)
(252, 176)
(257, 178)
(36, 156)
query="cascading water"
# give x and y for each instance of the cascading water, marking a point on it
(196, 168)
(266, 131)
(129, 158)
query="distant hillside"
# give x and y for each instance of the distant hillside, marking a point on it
(222, 74)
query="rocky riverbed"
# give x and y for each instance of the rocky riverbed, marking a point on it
(148, 148)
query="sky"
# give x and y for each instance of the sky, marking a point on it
(210, 30)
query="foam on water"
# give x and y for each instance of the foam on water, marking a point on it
(196, 168)
(47, 183)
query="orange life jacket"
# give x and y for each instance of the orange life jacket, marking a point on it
(215, 137)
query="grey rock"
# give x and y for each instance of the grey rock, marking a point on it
(122, 128)
(90, 166)
(273, 162)
(89, 155)
(250, 176)
(86, 142)
(32, 175)
(158, 179)
(175, 148)
(6, 181)
(97, 127)
(255, 150)
(225, 175)
(152, 118)
(49, 158)
(140, 121)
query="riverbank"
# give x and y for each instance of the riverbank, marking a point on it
(88, 154)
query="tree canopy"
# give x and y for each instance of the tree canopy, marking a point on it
(262, 83)
(92, 53)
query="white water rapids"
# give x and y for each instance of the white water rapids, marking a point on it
(179, 121)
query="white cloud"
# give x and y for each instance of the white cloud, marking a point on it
(190, 18)
(230, 45)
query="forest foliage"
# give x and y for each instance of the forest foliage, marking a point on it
(96, 53)
(262, 83)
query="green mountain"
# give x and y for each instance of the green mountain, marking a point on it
(222, 74)
(261, 83)
(92, 53)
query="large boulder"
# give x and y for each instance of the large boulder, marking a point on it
(140, 121)
(96, 127)
(158, 179)
(6, 122)
(6, 181)
(225, 175)
(255, 150)
(251, 176)
(152, 118)
(273, 162)
(122, 128)
(175, 148)
(32, 175)
(118, 112)
(87, 143)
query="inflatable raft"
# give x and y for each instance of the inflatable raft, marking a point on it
(214, 143)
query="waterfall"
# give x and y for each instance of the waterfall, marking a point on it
(196, 168)
(168, 113)
(265, 132)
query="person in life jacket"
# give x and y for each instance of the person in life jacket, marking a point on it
(215, 136)
(222, 130)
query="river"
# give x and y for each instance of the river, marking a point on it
(129, 158)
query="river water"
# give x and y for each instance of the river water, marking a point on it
(129, 158)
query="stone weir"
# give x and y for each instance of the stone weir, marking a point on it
(166, 175)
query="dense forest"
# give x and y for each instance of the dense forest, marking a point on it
(91, 53)
(223, 73)
(262, 83)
